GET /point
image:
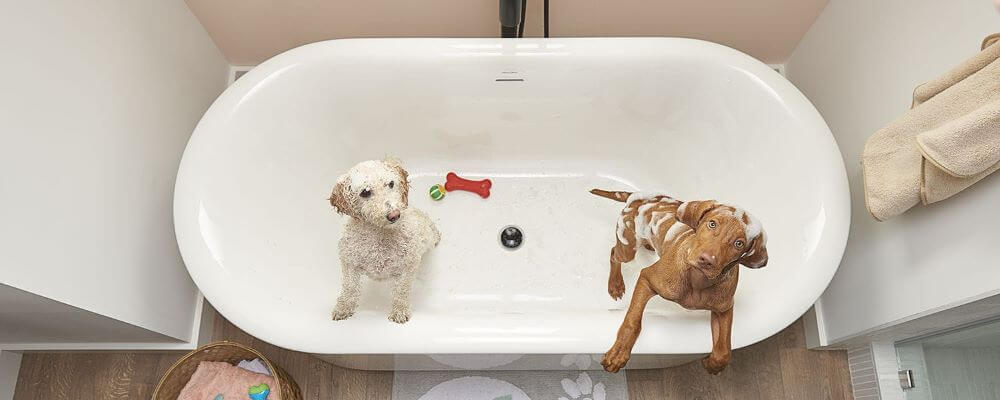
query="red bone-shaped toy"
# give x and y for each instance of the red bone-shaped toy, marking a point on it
(455, 182)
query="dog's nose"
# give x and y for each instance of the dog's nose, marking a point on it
(705, 260)
(393, 216)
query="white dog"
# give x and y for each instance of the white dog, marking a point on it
(384, 239)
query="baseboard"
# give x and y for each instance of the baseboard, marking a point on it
(206, 328)
(811, 325)
(779, 68)
(236, 71)
(10, 364)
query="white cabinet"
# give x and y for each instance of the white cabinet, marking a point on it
(97, 103)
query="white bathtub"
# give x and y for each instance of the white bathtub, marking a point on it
(546, 120)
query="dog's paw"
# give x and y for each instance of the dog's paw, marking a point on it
(341, 314)
(714, 365)
(616, 287)
(399, 316)
(615, 359)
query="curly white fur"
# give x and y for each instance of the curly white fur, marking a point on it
(373, 244)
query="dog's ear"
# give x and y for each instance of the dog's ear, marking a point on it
(338, 197)
(404, 177)
(692, 212)
(756, 256)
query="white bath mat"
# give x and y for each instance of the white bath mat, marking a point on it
(509, 385)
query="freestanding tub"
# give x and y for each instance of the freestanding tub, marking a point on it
(546, 120)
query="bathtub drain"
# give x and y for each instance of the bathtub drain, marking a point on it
(511, 237)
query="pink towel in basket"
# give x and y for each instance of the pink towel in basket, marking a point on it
(212, 379)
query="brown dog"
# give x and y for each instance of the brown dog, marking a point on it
(699, 244)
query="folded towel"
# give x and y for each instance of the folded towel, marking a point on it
(927, 90)
(212, 379)
(966, 146)
(944, 144)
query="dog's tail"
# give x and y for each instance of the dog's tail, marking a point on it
(616, 196)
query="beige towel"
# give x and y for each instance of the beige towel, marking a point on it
(944, 144)
(927, 90)
(966, 146)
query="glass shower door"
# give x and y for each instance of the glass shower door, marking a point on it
(961, 364)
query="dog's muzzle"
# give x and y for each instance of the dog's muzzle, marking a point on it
(392, 216)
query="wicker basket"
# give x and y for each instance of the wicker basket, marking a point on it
(180, 373)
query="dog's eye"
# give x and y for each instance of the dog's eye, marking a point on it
(366, 193)
(738, 243)
(712, 224)
(391, 184)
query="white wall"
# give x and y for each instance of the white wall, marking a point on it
(859, 64)
(97, 100)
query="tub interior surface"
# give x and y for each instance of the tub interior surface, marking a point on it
(690, 119)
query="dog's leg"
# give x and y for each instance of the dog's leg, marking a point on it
(401, 297)
(620, 352)
(621, 253)
(722, 325)
(350, 291)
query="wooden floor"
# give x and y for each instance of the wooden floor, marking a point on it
(777, 368)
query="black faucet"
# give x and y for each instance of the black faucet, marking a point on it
(511, 18)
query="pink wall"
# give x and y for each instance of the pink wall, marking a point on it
(250, 31)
